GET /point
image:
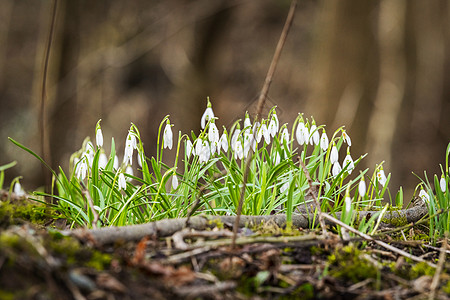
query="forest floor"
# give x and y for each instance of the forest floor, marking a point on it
(38, 261)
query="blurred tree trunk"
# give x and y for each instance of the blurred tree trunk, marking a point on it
(379, 69)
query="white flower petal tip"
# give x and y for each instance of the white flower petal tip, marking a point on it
(168, 136)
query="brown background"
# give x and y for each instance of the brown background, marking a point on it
(381, 68)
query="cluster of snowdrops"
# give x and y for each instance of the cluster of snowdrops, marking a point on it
(207, 174)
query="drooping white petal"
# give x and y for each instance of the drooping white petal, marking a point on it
(102, 160)
(346, 138)
(334, 155)
(188, 148)
(168, 136)
(336, 169)
(121, 182)
(99, 138)
(314, 135)
(302, 133)
(424, 196)
(362, 188)
(348, 204)
(443, 184)
(207, 115)
(18, 190)
(116, 162)
(273, 125)
(213, 133)
(223, 141)
(234, 138)
(324, 141)
(238, 150)
(174, 182)
(348, 162)
(284, 136)
(381, 177)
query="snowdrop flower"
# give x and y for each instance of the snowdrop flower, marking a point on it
(273, 124)
(277, 159)
(336, 169)
(213, 133)
(346, 138)
(348, 162)
(334, 155)
(381, 177)
(207, 115)
(264, 131)
(174, 182)
(424, 196)
(315, 137)
(223, 141)
(248, 141)
(302, 133)
(98, 135)
(238, 150)
(362, 187)
(129, 170)
(116, 162)
(121, 182)
(188, 148)
(443, 184)
(18, 190)
(324, 141)
(139, 160)
(89, 152)
(205, 152)
(102, 160)
(348, 204)
(81, 168)
(130, 145)
(234, 138)
(247, 122)
(168, 136)
(284, 136)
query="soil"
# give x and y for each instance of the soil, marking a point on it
(39, 261)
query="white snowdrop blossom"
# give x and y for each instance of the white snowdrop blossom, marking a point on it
(315, 137)
(205, 152)
(116, 162)
(443, 184)
(139, 161)
(247, 122)
(18, 190)
(362, 188)
(168, 136)
(81, 168)
(207, 115)
(348, 162)
(102, 160)
(348, 204)
(89, 153)
(174, 182)
(381, 177)
(273, 124)
(121, 182)
(324, 141)
(188, 148)
(334, 155)
(249, 142)
(336, 169)
(99, 137)
(424, 196)
(223, 142)
(302, 133)
(284, 136)
(346, 138)
(238, 150)
(130, 145)
(234, 138)
(213, 133)
(265, 133)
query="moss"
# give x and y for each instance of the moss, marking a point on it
(446, 287)
(216, 223)
(17, 212)
(99, 261)
(347, 263)
(5, 295)
(421, 269)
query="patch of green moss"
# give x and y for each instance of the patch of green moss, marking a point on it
(216, 223)
(421, 269)
(446, 287)
(17, 212)
(348, 263)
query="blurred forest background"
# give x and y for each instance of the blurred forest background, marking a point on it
(381, 68)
